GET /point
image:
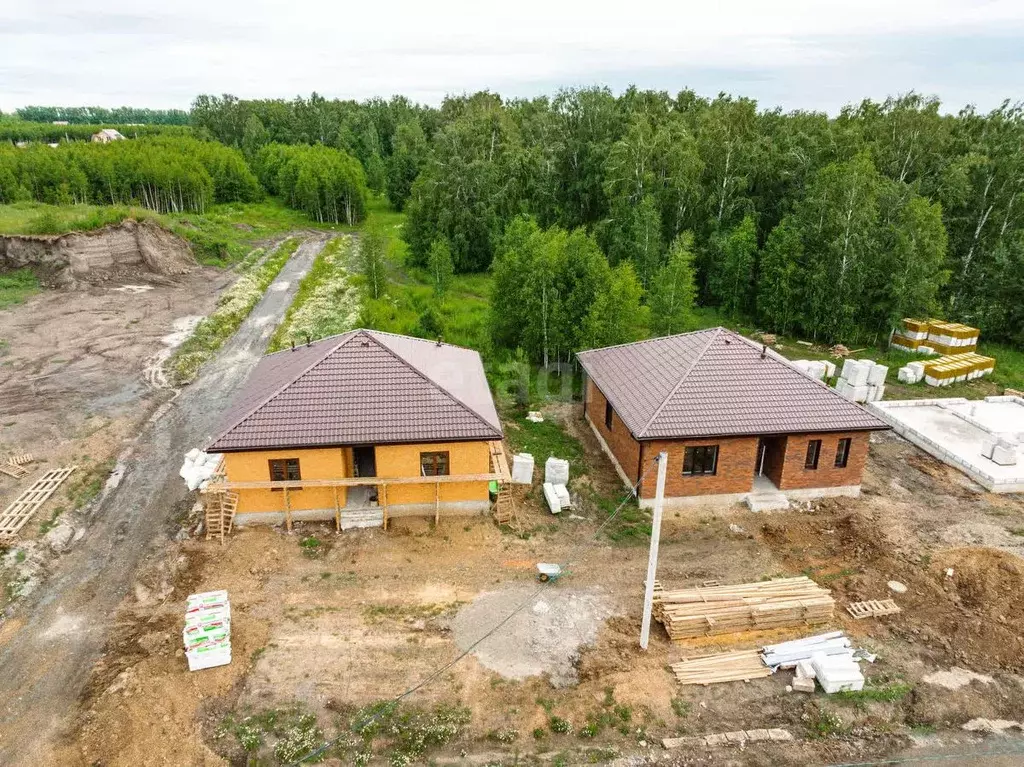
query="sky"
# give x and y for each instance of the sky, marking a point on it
(794, 54)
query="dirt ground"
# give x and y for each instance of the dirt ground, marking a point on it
(324, 625)
(51, 643)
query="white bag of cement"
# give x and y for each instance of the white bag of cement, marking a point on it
(192, 454)
(877, 374)
(522, 469)
(556, 471)
(554, 505)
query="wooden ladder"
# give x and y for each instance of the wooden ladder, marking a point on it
(220, 514)
(505, 506)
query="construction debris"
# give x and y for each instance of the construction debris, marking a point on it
(535, 416)
(736, 738)
(827, 658)
(723, 667)
(207, 632)
(522, 469)
(25, 505)
(839, 351)
(872, 608)
(557, 497)
(13, 470)
(727, 609)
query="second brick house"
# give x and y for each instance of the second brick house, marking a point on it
(737, 421)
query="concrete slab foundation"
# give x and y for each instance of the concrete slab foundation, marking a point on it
(955, 430)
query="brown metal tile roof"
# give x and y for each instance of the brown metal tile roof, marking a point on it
(361, 387)
(716, 383)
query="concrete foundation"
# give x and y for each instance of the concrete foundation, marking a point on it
(728, 499)
(457, 509)
(954, 430)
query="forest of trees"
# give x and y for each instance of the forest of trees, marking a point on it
(831, 227)
(164, 174)
(327, 184)
(13, 131)
(102, 115)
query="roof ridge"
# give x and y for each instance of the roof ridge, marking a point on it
(430, 380)
(650, 340)
(716, 334)
(417, 338)
(281, 389)
(353, 331)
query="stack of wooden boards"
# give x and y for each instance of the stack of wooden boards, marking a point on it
(724, 667)
(708, 611)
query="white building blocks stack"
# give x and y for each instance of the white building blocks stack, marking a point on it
(862, 380)
(522, 469)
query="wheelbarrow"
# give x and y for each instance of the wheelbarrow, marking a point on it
(547, 571)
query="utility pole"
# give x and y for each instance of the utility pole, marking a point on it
(652, 559)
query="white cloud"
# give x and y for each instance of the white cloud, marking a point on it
(163, 54)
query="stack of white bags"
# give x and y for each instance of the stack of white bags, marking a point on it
(911, 373)
(556, 477)
(862, 380)
(199, 467)
(522, 469)
(207, 632)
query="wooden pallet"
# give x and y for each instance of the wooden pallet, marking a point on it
(220, 514)
(872, 608)
(21, 459)
(739, 666)
(13, 470)
(14, 517)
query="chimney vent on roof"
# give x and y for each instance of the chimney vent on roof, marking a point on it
(764, 351)
(364, 342)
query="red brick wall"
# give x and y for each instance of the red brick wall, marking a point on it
(623, 446)
(796, 477)
(735, 474)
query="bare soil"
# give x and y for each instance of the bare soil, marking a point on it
(52, 649)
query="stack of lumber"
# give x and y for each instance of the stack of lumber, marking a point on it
(724, 667)
(707, 611)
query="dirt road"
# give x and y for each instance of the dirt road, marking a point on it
(46, 663)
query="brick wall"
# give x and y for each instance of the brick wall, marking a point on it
(735, 473)
(623, 446)
(796, 477)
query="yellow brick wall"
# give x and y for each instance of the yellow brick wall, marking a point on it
(336, 463)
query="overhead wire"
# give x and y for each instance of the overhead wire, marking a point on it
(391, 704)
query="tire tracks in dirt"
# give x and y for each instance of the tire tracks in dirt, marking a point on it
(45, 671)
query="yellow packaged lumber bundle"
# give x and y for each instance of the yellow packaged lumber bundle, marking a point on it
(724, 667)
(708, 611)
(957, 368)
(935, 336)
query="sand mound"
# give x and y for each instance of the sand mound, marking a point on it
(131, 248)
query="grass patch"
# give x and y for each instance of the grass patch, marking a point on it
(546, 439)
(40, 218)
(889, 692)
(87, 483)
(327, 301)
(16, 286)
(232, 309)
(404, 734)
(825, 724)
(288, 733)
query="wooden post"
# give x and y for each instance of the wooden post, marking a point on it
(437, 503)
(287, 510)
(337, 511)
(384, 497)
(652, 559)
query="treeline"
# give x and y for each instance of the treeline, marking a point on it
(831, 227)
(102, 115)
(388, 138)
(163, 174)
(327, 184)
(15, 131)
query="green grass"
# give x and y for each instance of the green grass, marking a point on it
(327, 301)
(889, 692)
(16, 286)
(40, 218)
(542, 440)
(232, 309)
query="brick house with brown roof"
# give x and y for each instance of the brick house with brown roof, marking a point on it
(358, 427)
(737, 420)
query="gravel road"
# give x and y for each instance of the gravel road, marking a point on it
(45, 666)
